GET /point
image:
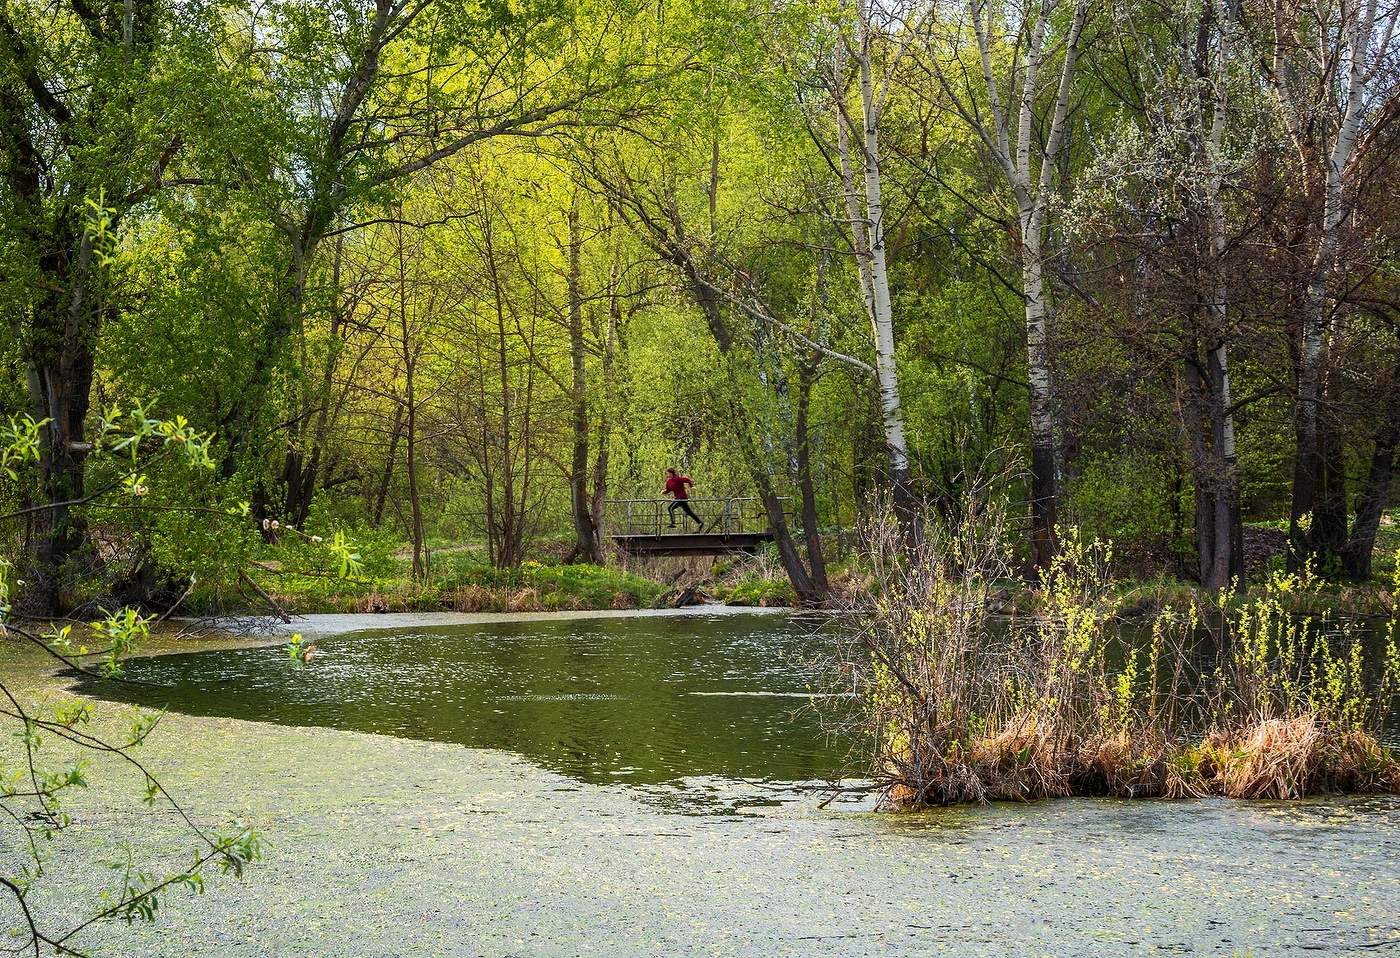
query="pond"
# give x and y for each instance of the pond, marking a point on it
(642, 785)
(645, 700)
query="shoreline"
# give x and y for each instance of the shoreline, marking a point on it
(328, 624)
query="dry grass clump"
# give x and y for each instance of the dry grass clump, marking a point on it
(1276, 758)
(474, 598)
(523, 600)
(1297, 757)
(1245, 700)
(1018, 764)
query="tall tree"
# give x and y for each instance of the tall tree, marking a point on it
(865, 207)
(1331, 66)
(94, 101)
(1026, 136)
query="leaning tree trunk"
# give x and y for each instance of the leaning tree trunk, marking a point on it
(811, 531)
(1375, 494)
(703, 292)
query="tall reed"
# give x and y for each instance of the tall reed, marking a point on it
(1237, 697)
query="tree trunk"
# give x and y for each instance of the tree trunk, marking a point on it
(382, 494)
(1045, 455)
(420, 552)
(410, 363)
(811, 530)
(1227, 558)
(1031, 190)
(600, 456)
(586, 545)
(1315, 481)
(302, 470)
(868, 244)
(1227, 561)
(59, 366)
(238, 426)
(1374, 496)
(702, 291)
(506, 534)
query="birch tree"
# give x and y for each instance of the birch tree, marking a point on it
(1024, 132)
(1222, 552)
(1330, 66)
(865, 210)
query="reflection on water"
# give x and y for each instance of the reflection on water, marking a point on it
(643, 700)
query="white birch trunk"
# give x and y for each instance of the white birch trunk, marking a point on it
(1358, 29)
(868, 244)
(1031, 190)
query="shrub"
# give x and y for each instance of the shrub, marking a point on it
(1247, 699)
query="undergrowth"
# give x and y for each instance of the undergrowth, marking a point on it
(460, 584)
(1246, 697)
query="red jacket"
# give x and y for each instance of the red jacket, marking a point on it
(675, 486)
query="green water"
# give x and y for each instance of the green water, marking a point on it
(646, 786)
(643, 700)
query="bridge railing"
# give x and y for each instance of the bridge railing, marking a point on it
(653, 517)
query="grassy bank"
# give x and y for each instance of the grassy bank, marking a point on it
(375, 575)
(458, 584)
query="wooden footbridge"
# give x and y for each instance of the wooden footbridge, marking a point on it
(645, 526)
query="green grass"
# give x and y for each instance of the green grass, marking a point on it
(459, 582)
(758, 591)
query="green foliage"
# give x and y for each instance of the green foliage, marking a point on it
(1124, 498)
(19, 444)
(759, 591)
(463, 582)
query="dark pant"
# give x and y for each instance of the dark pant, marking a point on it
(684, 506)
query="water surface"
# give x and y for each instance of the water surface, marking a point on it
(500, 790)
(645, 700)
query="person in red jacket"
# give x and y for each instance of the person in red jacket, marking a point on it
(676, 489)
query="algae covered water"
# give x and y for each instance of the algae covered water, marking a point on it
(651, 785)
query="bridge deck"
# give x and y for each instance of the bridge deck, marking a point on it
(692, 543)
(647, 526)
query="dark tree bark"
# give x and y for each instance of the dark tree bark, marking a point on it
(587, 547)
(1374, 496)
(382, 493)
(811, 527)
(1219, 533)
(59, 362)
(1370, 505)
(63, 143)
(600, 456)
(306, 447)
